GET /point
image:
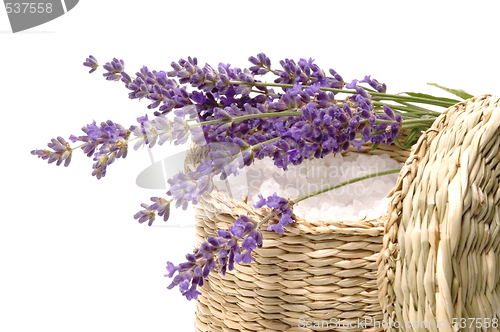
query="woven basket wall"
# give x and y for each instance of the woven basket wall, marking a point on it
(317, 270)
(441, 253)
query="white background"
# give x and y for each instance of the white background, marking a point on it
(72, 257)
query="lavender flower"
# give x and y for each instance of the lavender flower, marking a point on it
(281, 207)
(307, 72)
(109, 139)
(261, 64)
(114, 70)
(61, 151)
(149, 132)
(380, 87)
(185, 188)
(160, 206)
(218, 254)
(92, 63)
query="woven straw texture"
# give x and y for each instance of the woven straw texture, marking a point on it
(316, 271)
(441, 254)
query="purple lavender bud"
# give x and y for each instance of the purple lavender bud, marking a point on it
(237, 231)
(249, 243)
(224, 234)
(206, 247)
(222, 253)
(114, 69)
(254, 233)
(191, 293)
(73, 138)
(285, 219)
(184, 286)
(185, 266)
(191, 258)
(273, 201)
(276, 228)
(329, 144)
(248, 157)
(213, 241)
(171, 269)
(221, 114)
(61, 152)
(352, 85)
(206, 271)
(92, 63)
(389, 112)
(247, 258)
(394, 130)
(260, 203)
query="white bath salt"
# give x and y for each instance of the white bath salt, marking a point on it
(363, 199)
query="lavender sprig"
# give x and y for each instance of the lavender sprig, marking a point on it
(215, 254)
(160, 206)
(92, 63)
(61, 151)
(281, 207)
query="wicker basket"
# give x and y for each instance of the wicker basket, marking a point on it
(440, 261)
(316, 271)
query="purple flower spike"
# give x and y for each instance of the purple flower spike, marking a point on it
(160, 206)
(92, 63)
(215, 254)
(114, 70)
(277, 228)
(260, 203)
(281, 207)
(61, 151)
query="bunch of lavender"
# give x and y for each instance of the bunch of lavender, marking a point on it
(239, 117)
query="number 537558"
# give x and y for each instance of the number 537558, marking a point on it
(28, 7)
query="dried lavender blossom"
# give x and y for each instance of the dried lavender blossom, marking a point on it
(92, 63)
(281, 207)
(61, 151)
(160, 206)
(218, 254)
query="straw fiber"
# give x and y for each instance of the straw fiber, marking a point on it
(440, 261)
(316, 272)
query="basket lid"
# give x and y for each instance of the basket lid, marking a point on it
(441, 255)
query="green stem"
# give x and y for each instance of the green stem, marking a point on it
(260, 223)
(253, 147)
(251, 116)
(416, 125)
(419, 121)
(382, 96)
(409, 108)
(321, 191)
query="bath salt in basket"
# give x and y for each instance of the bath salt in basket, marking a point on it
(316, 271)
(439, 269)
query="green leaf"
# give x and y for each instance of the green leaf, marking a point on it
(411, 138)
(375, 146)
(460, 93)
(423, 95)
(398, 143)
